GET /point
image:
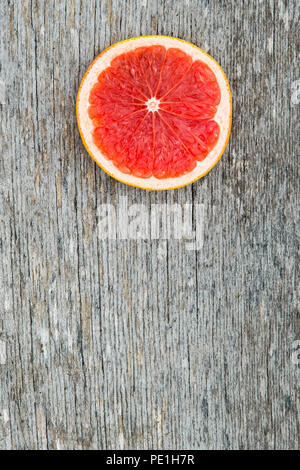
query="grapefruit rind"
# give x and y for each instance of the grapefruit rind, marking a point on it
(85, 124)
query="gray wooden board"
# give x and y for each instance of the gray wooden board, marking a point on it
(144, 344)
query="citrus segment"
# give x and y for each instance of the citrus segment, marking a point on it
(115, 136)
(151, 61)
(199, 137)
(171, 157)
(198, 85)
(176, 65)
(195, 111)
(138, 154)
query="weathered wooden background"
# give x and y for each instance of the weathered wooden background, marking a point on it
(144, 344)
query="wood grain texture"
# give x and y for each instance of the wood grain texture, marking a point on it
(143, 344)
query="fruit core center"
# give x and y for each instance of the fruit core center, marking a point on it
(152, 104)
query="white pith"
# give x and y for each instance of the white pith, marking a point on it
(152, 104)
(222, 117)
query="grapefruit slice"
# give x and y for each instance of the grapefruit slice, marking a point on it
(154, 112)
